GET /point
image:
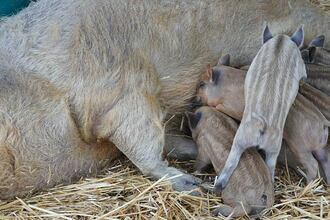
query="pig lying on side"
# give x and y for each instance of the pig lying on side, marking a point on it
(305, 130)
(250, 188)
(271, 86)
(122, 65)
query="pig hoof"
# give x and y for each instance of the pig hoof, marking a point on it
(186, 183)
(220, 185)
(218, 188)
(222, 210)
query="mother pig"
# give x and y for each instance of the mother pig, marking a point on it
(114, 69)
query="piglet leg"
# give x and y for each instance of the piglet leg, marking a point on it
(310, 165)
(231, 164)
(202, 161)
(237, 211)
(180, 148)
(271, 158)
(323, 157)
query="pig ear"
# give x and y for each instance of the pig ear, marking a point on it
(305, 55)
(193, 119)
(266, 35)
(215, 76)
(224, 60)
(311, 53)
(208, 72)
(298, 37)
(317, 42)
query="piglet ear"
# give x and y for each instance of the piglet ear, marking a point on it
(215, 76)
(311, 54)
(266, 35)
(224, 60)
(207, 74)
(317, 42)
(193, 119)
(298, 37)
(208, 71)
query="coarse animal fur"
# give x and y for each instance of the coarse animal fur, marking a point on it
(123, 65)
(270, 88)
(35, 116)
(250, 188)
(322, 102)
(305, 130)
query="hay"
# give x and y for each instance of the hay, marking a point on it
(122, 192)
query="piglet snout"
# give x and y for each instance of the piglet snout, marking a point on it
(196, 102)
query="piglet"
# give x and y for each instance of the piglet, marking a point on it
(317, 60)
(250, 188)
(271, 86)
(315, 53)
(179, 147)
(305, 130)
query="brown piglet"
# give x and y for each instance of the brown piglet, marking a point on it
(250, 188)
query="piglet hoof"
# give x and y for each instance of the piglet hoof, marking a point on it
(220, 184)
(187, 183)
(222, 210)
(218, 188)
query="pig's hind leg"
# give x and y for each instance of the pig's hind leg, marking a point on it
(135, 126)
(180, 148)
(309, 164)
(237, 211)
(203, 161)
(323, 157)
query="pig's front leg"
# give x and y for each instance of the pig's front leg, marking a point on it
(135, 126)
(231, 164)
(238, 211)
(271, 158)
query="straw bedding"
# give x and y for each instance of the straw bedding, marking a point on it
(122, 192)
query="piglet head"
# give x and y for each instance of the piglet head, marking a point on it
(209, 89)
(223, 87)
(315, 47)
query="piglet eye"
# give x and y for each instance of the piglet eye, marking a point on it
(201, 84)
